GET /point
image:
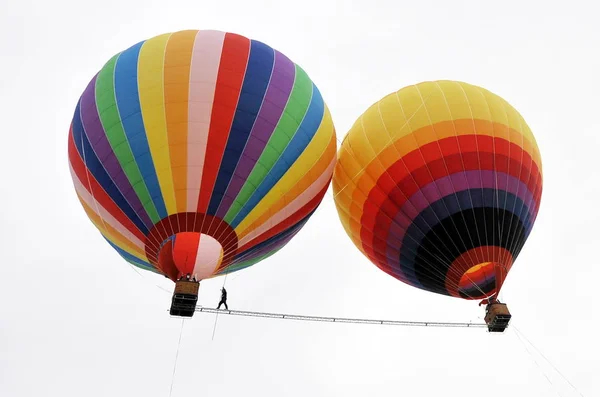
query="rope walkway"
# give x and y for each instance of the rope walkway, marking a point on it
(201, 309)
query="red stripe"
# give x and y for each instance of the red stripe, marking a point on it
(397, 184)
(409, 174)
(94, 188)
(232, 69)
(446, 157)
(185, 250)
(166, 264)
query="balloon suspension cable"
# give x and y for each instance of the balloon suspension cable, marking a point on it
(342, 320)
(522, 338)
(176, 358)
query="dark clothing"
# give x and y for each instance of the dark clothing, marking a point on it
(223, 300)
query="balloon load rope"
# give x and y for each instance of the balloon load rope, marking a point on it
(522, 339)
(176, 357)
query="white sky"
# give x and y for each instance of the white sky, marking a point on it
(75, 320)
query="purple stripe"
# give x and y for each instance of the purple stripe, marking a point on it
(271, 247)
(99, 142)
(275, 101)
(443, 187)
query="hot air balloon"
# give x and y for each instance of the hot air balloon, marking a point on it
(199, 153)
(439, 185)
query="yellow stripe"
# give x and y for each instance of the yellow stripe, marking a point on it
(311, 155)
(385, 132)
(349, 227)
(343, 186)
(112, 234)
(178, 59)
(349, 210)
(151, 91)
(416, 107)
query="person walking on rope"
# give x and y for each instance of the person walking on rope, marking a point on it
(223, 300)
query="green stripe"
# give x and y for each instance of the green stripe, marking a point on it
(111, 121)
(288, 124)
(240, 266)
(139, 266)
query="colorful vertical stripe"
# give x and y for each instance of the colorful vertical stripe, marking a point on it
(200, 152)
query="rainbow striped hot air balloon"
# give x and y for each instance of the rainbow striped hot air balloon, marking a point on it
(200, 152)
(439, 185)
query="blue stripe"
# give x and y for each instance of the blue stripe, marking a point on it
(446, 207)
(305, 133)
(97, 170)
(130, 111)
(274, 243)
(254, 88)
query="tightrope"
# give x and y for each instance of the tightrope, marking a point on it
(341, 320)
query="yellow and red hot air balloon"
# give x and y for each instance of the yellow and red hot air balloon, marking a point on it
(439, 185)
(199, 153)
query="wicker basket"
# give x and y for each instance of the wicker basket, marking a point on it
(186, 287)
(497, 317)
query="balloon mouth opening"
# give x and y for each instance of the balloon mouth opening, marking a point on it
(196, 254)
(195, 236)
(478, 281)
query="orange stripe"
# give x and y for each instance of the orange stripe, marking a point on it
(178, 58)
(358, 188)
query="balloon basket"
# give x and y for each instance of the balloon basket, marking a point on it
(497, 317)
(185, 298)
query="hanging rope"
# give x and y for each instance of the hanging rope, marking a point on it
(537, 364)
(201, 309)
(176, 358)
(217, 316)
(522, 337)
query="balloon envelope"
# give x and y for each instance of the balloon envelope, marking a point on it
(439, 185)
(200, 152)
